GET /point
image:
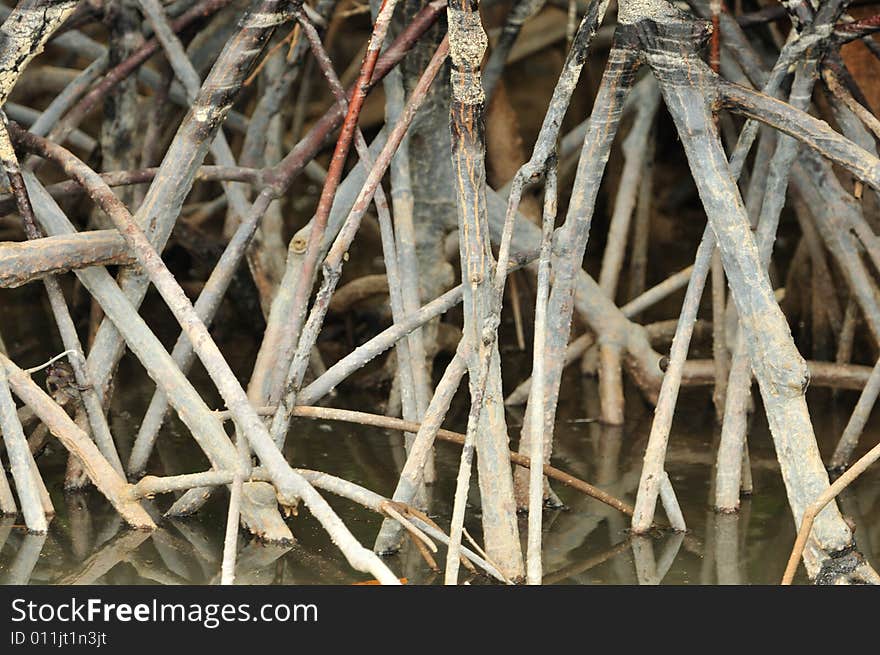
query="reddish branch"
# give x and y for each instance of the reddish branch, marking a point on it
(113, 77)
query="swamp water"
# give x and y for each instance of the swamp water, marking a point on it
(585, 544)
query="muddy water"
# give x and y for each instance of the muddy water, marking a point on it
(587, 543)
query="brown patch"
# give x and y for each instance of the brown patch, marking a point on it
(864, 67)
(374, 582)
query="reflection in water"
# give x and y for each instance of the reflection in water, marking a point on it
(725, 529)
(584, 543)
(649, 570)
(27, 553)
(118, 549)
